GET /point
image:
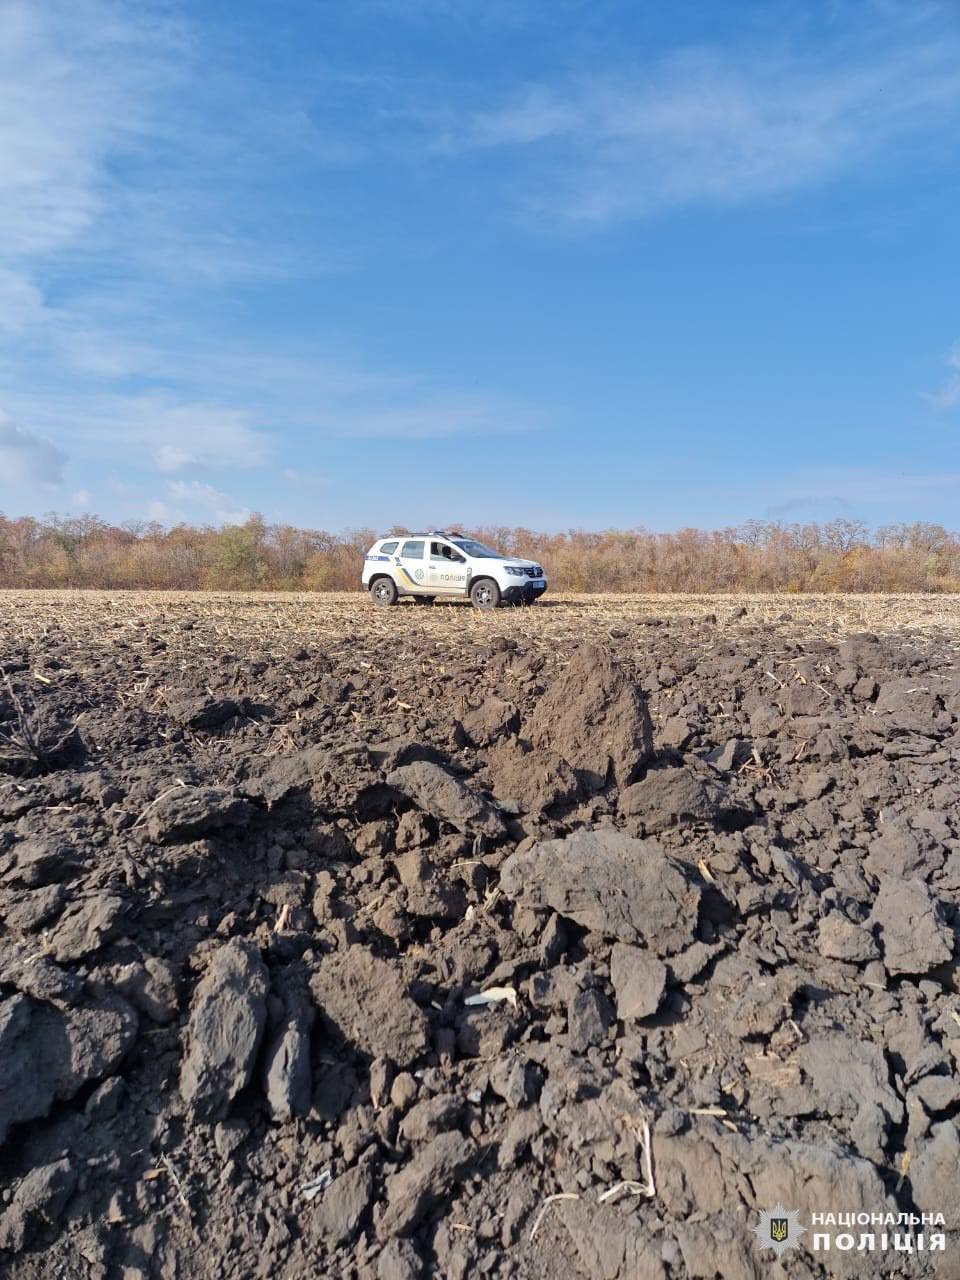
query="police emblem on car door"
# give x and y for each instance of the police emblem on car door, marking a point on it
(412, 570)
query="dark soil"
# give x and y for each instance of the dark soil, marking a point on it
(252, 881)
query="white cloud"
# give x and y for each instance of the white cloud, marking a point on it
(81, 498)
(111, 127)
(99, 353)
(168, 433)
(715, 127)
(190, 501)
(26, 458)
(162, 431)
(844, 485)
(119, 182)
(427, 417)
(205, 497)
(305, 479)
(21, 302)
(169, 458)
(75, 81)
(193, 433)
(948, 397)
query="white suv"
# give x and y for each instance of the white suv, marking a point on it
(438, 565)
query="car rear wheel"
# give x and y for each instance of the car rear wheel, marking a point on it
(384, 591)
(485, 594)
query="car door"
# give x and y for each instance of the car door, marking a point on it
(412, 565)
(446, 568)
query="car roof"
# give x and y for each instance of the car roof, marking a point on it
(405, 537)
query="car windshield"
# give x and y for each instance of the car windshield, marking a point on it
(476, 549)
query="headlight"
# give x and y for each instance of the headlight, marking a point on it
(517, 573)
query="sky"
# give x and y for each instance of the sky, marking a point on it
(550, 263)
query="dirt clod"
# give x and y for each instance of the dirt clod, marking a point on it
(446, 798)
(914, 937)
(639, 980)
(427, 1179)
(49, 1054)
(226, 1024)
(183, 813)
(364, 1001)
(595, 716)
(612, 884)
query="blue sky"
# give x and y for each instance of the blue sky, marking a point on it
(544, 262)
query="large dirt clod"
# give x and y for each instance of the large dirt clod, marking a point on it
(639, 980)
(595, 716)
(428, 1178)
(86, 926)
(492, 719)
(669, 797)
(48, 1055)
(611, 884)
(203, 712)
(367, 1004)
(913, 934)
(287, 1074)
(36, 862)
(183, 813)
(447, 798)
(528, 781)
(226, 1025)
(42, 1195)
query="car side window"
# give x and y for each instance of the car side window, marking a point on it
(388, 548)
(412, 550)
(442, 551)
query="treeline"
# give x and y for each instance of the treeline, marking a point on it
(840, 555)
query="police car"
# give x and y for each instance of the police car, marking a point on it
(441, 566)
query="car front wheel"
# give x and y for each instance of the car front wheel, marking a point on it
(384, 591)
(485, 594)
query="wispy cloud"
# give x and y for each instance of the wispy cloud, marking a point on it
(237, 426)
(115, 146)
(191, 433)
(706, 126)
(130, 207)
(21, 301)
(822, 504)
(196, 496)
(948, 397)
(427, 417)
(840, 488)
(310, 480)
(170, 433)
(26, 458)
(75, 84)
